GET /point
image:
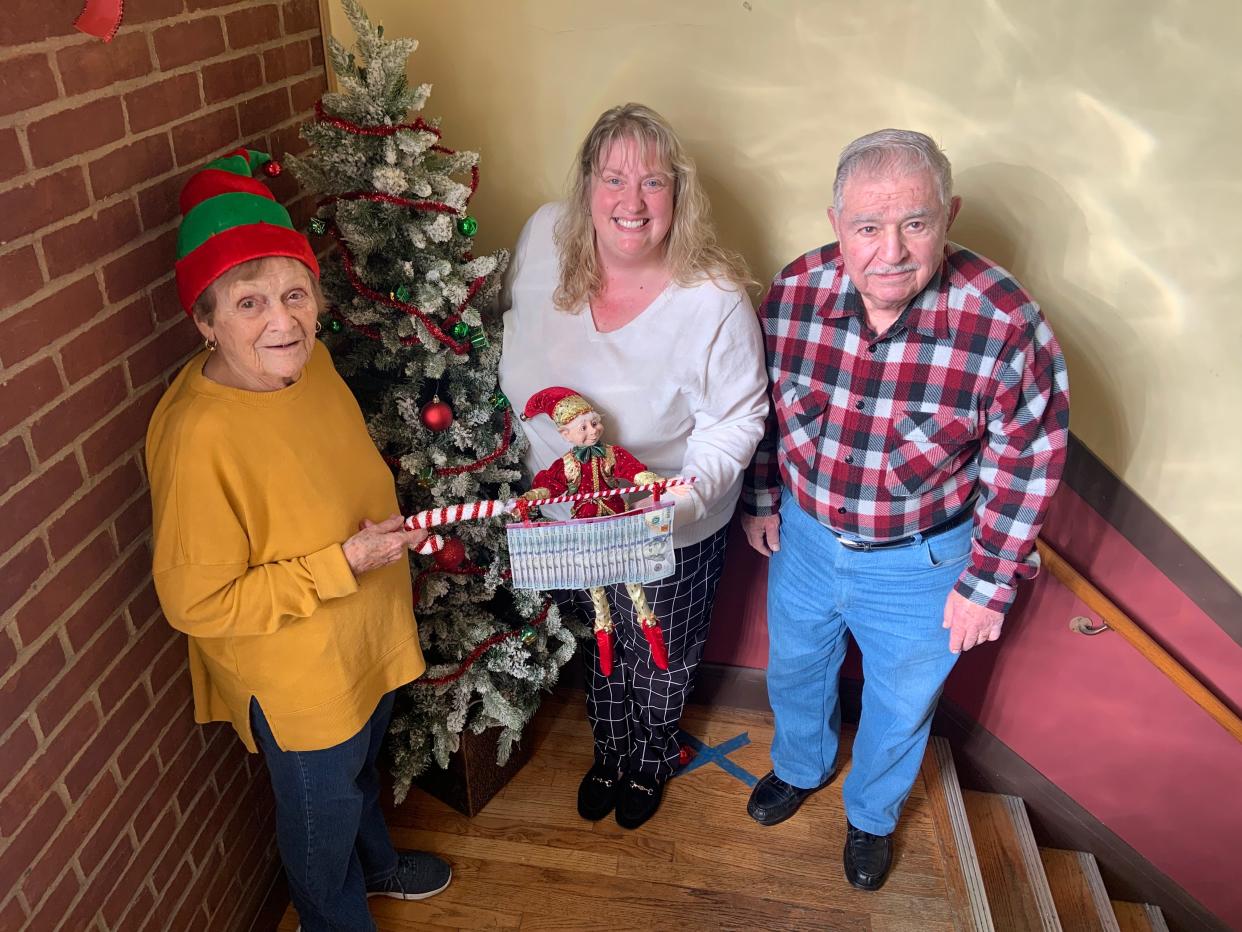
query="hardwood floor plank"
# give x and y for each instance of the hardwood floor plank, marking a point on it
(451, 845)
(529, 861)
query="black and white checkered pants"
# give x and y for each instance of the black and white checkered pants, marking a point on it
(635, 711)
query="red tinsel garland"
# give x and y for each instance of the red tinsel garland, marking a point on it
(436, 570)
(346, 126)
(479, 464)
(347, 262)
(393, 199)
(417, 126)
(523, 505)
(482, 648)
(379, 198)
(369, 332)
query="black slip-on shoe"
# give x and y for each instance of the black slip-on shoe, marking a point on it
(773, 800)
(868, 858)
(597, 793)
(639, 799)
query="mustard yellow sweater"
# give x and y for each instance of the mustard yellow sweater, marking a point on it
(253, 494)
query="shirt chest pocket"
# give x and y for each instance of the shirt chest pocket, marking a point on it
(800, 415)
(926, 448)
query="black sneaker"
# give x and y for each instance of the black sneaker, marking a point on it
(867, 858)
(773, 800)
(639, 799)
(418, 876)
(597, 793)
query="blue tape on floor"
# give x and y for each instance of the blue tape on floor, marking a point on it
(718, 755)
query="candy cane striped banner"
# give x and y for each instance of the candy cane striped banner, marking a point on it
(467, 511)
(473, 511)
(628, 490)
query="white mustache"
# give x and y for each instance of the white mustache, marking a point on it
(894, 270)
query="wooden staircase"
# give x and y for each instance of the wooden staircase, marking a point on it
(999, 880)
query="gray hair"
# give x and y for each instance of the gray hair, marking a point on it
(890, 151)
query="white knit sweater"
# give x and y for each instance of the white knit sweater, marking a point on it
(682, 386)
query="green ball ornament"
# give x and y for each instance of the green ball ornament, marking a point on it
(318, 226)
(528, 635)
(467, 226)
(461, 330)
(403, 293)
(335, 326)
(499, 400)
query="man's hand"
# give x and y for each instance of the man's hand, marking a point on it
(763, 533)
(969, 624)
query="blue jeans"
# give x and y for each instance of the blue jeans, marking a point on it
(329, 826)
(892, 602)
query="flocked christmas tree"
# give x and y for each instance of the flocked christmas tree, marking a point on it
(409, 331)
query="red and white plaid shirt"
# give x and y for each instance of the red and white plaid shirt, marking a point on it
(963, 402)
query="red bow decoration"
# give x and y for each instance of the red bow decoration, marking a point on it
(101, 18)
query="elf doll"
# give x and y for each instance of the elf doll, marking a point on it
(593, 466)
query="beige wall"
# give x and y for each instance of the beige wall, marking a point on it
(1095, 145)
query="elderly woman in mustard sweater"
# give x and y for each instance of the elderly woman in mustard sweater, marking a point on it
(278, 549)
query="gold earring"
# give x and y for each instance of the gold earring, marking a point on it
(210, 345)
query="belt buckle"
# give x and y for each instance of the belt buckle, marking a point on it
(862, 546)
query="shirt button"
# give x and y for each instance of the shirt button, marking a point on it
(860, 405)
(871, 348)
(841, 510)
(849, 458)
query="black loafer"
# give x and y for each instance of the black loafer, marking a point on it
(639, 799)
(597, 793)
(773, 800)
(867, 858)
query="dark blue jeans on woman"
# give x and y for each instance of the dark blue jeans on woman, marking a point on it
(329, 826)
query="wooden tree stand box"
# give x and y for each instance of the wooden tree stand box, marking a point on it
(473, 776)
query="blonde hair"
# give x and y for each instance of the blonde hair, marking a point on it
(691, 251)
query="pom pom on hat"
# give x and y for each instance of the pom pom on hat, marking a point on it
(560, 404)
(230, 217)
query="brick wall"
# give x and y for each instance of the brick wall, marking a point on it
(116, 811)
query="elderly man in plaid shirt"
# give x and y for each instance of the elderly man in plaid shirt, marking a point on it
(920, 417)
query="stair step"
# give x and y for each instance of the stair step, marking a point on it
(1139, 917)
(1013, 874)
(1078, 891)
(963, 879)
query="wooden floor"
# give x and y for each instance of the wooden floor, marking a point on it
(528, 861)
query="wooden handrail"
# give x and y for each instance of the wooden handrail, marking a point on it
(1125, 626)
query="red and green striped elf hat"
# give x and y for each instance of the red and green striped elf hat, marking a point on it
(228, 217)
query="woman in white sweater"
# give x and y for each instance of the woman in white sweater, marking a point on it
(622, 293)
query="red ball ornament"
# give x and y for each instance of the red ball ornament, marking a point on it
(273, 168)
(436, 415)
(452, 555)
